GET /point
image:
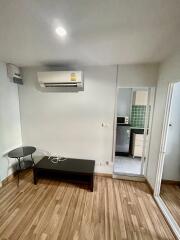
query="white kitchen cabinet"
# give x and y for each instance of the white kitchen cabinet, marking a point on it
(140, 97)
(137, 149)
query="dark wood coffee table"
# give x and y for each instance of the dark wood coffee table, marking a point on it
(71, 169)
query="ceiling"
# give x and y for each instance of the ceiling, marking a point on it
(100, 32)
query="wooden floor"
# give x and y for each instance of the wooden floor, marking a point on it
(171, 197)
(51, 210)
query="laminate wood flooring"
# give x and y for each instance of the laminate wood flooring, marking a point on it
(170, 194)
(53, 210)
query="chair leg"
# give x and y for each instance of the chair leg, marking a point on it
(18, 172)
(32, 160)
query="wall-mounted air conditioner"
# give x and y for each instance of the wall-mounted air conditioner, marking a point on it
(60, 79)
(14, 73)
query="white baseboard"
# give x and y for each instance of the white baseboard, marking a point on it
(10, 171)
(104, 169)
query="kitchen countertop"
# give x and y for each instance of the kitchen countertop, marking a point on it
(122, 124)
(129, 125)
(136, 128)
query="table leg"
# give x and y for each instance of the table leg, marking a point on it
(92, 182)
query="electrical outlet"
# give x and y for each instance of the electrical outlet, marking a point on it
(105, 124)
(98, 163)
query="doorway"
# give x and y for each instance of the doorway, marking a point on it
(133, 123)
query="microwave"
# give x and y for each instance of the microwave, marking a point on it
(123, 120)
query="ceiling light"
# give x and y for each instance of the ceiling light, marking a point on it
(61, 31)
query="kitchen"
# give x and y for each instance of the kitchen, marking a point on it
(134, 111)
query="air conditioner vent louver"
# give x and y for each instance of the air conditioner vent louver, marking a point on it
(61, 79)
(60, 84)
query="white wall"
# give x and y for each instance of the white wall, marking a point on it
(138, 75)
(71, 123)
(169, 72)
(171, 170)
(10, 129)
(124, 100)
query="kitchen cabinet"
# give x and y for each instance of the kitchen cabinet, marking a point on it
(140, 97)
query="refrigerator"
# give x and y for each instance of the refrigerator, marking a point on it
(122, 139)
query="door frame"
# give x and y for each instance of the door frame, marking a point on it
(163, 143)
(146, 146)
(173, 224)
